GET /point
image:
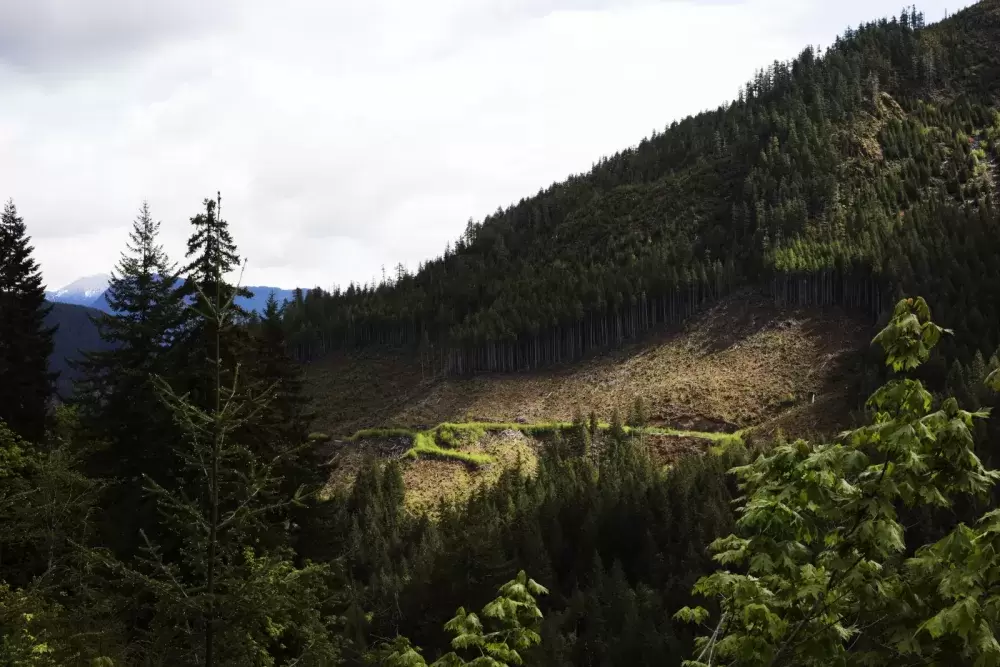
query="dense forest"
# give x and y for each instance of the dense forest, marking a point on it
(830, 179)
(174, 510)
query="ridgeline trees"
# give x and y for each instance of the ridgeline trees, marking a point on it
(26, 386)
(835, 178)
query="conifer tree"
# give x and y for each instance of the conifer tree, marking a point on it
(211, 255)
(52, 610)
(26, 385)
(231, 598)
(288, 416)
(280, 429)
(119, 404)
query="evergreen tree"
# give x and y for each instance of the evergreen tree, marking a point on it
(53, 611)
(637, 414)
(26, 385)
(119, 404)
(230, 597)
(211, 255)
(280, 429)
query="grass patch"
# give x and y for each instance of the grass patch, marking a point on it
(449, 440)
(704, 435)
(424, 445)
(455, 436)
(369, 433)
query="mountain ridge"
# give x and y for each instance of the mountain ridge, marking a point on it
(91, 291)
(806, 185)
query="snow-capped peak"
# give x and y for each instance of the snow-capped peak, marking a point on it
(88, 288)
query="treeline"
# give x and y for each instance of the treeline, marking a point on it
(813, 168)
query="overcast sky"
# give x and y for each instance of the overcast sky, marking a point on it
(349, 135)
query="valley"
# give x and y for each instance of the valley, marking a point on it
(728, 398)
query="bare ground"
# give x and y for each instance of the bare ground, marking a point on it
(742, 363)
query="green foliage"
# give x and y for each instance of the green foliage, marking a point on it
(515, 614)
(820, 574)
(908, 342)
(424, 445)
(637, 417)
(454, 436)
(118, 404)
(26, 385)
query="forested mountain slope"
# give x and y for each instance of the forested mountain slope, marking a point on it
(841, 177)
(743, 363)
(743, 366)
(75, 334)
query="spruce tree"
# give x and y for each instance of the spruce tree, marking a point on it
(119, 404)
(211, 255)
(26, 385)
(227, 597)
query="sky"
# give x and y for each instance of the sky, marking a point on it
(348, 136)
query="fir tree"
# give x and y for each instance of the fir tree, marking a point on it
(26, 388)
(280, 429)
(231, 598)
(119, 404)
(211, 255)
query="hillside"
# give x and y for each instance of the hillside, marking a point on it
(837, 178)
(725, 270)
(744, 365)
(669, 412)
(75, 334)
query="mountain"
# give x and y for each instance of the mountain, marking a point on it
(82, 291)
(837, 182)
(74, 305)
(90, 291)
(76, 334)
(849, 176)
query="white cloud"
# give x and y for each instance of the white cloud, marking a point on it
(345, 136)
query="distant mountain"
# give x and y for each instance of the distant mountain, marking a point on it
(76, 334)
(260, 295)
(91, 291)
(82, 292)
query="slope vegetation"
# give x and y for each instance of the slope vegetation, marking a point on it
(742, 363)
(839, 177)
(743, 366)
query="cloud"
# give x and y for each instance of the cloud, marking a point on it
(44, 34)
(347, 136)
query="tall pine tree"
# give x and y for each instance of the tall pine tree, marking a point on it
(26, 385)
(119, 404)
(227, 597)
(285, 422)
(211, 255)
